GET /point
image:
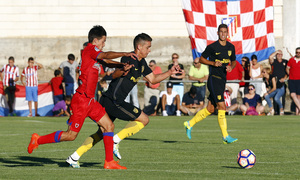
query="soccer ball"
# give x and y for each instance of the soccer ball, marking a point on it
(246, 158)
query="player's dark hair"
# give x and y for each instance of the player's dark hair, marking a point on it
(141, 38)
(11, 58)
(30, 59)
(71, 57)
(68, 98)
(96, 32)
(222, 26)
(253, 57)
(152, 61)
(57, 72)
(297, 48)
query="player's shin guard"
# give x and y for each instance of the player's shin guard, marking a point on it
(222, 122)
(108, 145)
(202, 114)
(89, 143)
(50, 138)
(131, 128)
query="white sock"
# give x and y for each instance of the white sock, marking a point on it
(75, 156)
(116, 139)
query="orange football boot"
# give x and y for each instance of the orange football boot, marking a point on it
(33, 143)
(113, 165)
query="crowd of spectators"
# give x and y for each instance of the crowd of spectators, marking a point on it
(261, 89)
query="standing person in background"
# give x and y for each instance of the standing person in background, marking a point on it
(133, 97)
(293, 70)
(69, 73)
(236, 74)
(256, 74)
(31, 75)
(244, 85)
(221, 54)
(278, 65)
(151, 92)
(199, 72)
(10, 75)
(57, 87)
(177, 86)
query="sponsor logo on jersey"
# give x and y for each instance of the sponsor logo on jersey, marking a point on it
(218, 53)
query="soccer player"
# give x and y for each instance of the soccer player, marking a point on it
(113, 98)
(221, 56)
(10, 75)
(83, 103)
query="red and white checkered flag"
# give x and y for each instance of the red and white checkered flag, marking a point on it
(250, 25)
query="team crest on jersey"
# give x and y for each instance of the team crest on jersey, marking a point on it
(76, 125)
(135, 110)
(219, 97)
(229, 53)
(97, 49)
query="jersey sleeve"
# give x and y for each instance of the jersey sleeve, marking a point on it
(17, 72)
(147, 69)
(207, 52)
(94, 53)
(23, 72)
(233, 56)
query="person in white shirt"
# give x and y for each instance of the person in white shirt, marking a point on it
(170, 101)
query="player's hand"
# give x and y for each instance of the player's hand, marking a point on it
(176, 69)
(217, 63)
(228, 68)
(132, 55)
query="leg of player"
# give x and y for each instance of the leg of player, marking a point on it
(91, 141)
(108, 134)
(55, 137)
(202, 114)
(131, 128)
(227, 139)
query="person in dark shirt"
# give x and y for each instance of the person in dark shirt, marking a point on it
(222, 58)
(190, 102)
(113, 98)
(273, 90)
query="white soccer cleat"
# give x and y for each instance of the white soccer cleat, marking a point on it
(72, 163)
(164, 113)
(116, 151)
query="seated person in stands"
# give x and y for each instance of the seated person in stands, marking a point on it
(252, 103)
(275, 89)
(61, 108)
(170, 101)
(230, 108)
(190, 102)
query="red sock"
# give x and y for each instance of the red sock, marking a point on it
(108, 145)
(50, 138)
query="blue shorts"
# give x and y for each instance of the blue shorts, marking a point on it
(69, 89)
(32, 93)
(171, 109)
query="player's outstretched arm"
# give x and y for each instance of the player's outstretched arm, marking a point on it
(123, 71)
(156, 78)
(113, 55)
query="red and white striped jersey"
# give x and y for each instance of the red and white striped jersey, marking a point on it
(9, 72)
(31, 76)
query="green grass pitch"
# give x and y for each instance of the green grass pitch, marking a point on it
(160, 151)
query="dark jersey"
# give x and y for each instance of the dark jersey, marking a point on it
(217, 52)
(278, 68)
(120, 87)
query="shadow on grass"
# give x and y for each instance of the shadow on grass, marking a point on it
(20, 161)
(141, 139)
(231, 167)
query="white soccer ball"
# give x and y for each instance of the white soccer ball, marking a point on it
(246, 158)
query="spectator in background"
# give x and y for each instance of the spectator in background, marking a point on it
(170, 101)
(278, 66)
(57, 87)
(272, 91)
(199, 72)
(190, 102)
(252, 103)
(293, 70)
(237, 74)
(256, 74)
(230, 108)
(132, 97)
(10, 75)
(31, 75)
(69, 73)
(61, 108)
(151, 92)
(244, 85)
(177, 86)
